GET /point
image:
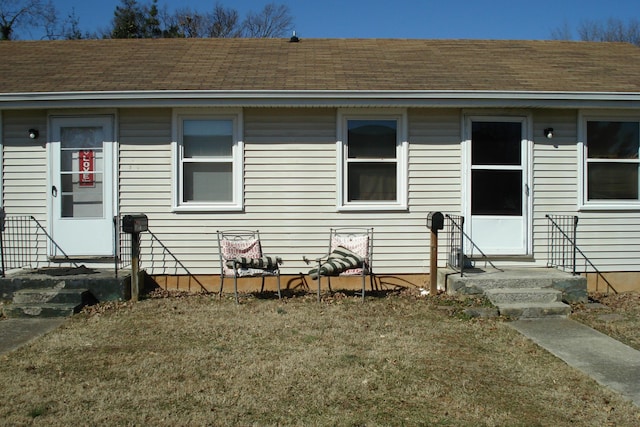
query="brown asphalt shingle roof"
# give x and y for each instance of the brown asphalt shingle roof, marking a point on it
(317, 64)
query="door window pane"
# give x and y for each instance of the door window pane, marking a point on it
(208, 182)
(372, 181)
(496, 143)
(496, 192)
(81, 172)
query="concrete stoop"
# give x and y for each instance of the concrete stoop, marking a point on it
(520, 293)
(48, 302)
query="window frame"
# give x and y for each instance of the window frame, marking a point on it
(401, 161)
(235, 116)
(583, 160)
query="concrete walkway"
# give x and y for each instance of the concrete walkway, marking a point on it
(15, 333)
(609, 362)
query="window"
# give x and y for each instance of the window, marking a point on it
(209, 163)
(373, 168)
(610, 151)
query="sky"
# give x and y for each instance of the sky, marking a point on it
(420, 19)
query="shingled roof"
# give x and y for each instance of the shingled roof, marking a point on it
(317, 65)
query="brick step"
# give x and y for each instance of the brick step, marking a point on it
(523, 295)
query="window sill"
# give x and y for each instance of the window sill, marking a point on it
(372, 207)
(208, 208)
(622, 206)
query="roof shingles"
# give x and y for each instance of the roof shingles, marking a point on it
(317, 64)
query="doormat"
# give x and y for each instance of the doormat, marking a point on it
(66, 271)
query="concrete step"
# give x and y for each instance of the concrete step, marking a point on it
(534, 311)
(478, 281)
(42, 296)
(41, 311)
(48, 302)
(523, 295)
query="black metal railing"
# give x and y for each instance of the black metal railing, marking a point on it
(24, 242)
(156, 256)
(122, 247)
(563, 248)
(457, 241)
(561, 242)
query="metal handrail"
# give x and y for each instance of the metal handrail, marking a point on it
(21, 246)
(464, 235)
(576, 249)
(166, 250)
(53, 242)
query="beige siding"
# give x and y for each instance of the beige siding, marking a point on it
(609, 238)
(24, 177)
(290, 188)
(24, 164)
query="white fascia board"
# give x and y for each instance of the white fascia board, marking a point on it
(310, 98)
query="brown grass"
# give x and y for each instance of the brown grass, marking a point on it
(398, 360)
(617, 315)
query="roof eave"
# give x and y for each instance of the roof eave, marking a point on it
(320, 98)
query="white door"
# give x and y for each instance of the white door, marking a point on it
(81, 193)
(498, 187)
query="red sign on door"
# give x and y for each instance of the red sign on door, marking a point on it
(86, 159)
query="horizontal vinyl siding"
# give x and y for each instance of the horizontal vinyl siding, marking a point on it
(608, 238)
(24, 179)
(290, 189)
(24, 164)
(555, 175)
(434, 176)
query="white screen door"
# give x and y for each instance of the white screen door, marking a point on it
(498, 189)
(81, 193)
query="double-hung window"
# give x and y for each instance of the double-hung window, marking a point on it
(209, 162)
(610, 151)
(373, 165)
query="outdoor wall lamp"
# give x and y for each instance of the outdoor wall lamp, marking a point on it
(33, 134)
(548, 132)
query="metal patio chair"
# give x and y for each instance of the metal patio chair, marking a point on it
(350, 254)
(241, 256)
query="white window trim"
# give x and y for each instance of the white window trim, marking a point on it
(583, 203)
(237, 158)
(401, 155)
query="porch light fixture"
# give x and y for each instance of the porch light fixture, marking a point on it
(548, 132)
(33, 134)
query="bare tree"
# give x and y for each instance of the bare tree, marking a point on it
(24, 14)
(613, 30)
(224, 23)
(273, 21)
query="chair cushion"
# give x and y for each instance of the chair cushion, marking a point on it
(264, 263)
(358, 244)
(340, 260)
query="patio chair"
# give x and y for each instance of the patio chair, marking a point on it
(241, 256)
(350, 254)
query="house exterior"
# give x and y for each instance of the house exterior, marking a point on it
(293, 138)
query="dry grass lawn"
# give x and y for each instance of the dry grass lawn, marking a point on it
(198, 360)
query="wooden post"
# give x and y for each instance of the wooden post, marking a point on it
(433, 263)
(135, 266)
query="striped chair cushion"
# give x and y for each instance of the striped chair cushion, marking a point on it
(340, 260)
(263, 263)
